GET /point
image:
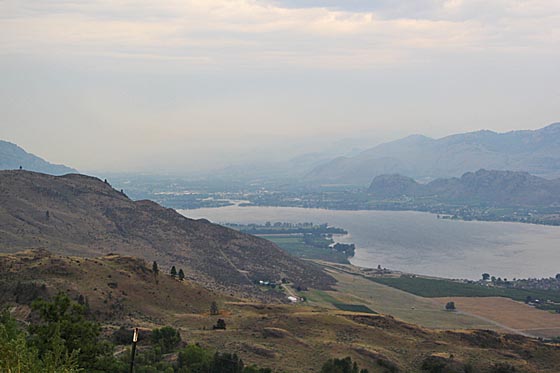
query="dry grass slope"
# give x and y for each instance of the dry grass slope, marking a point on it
(81, 215)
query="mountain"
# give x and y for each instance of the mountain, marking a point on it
(12, 157)
(495, 188)
(81, 215)
(421, 157)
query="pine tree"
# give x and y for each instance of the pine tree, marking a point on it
(181, 274)
(173, 271)
(214, 308)
(155, 268)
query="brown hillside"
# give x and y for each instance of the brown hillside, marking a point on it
(117, 289)
(288, 338)
(81, 215)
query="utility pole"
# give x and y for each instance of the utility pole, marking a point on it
(133, 351)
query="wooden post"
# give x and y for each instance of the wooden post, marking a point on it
(133, 351)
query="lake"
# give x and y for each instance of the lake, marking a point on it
(420, 243)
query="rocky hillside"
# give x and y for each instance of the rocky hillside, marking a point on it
(116, 288)
(12, 157)
(421, 157)
(497, 188)
(84, 216)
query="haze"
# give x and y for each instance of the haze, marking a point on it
(180, 86)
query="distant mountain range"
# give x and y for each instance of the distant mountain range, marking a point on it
(492, 188)
(84, 216)
(421, 157)
(12, 157)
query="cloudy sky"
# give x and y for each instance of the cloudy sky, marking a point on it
(183, 85)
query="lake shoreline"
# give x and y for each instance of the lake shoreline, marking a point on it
(417, 242)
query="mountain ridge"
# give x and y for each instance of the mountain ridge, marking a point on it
(13, 157)
(81, 215)
(422, 157)
(493, 187)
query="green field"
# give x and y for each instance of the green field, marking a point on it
(295, 245)
(434, 288)
(353, 307)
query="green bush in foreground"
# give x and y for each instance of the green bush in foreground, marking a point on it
(342, 366)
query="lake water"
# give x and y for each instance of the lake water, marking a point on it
(420, 243)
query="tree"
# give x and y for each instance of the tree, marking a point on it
(558, 276)
(16, 355)
(181, 274)
(221, 324)
(485, 276)
(227, 363)
(63, 329)
(341, 366)
(166, 338)
(173, 271)
(155, 268)
(214, 308)
(450, 306)
(195, 358)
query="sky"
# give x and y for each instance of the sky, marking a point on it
(181, 86)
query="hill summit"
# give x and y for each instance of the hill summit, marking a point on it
(13, 157)
(84, 216)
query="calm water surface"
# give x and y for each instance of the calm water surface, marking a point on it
(419, 242)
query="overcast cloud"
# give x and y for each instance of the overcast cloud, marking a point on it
(183, 85)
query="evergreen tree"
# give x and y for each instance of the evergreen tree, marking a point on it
(214, 308)
(181, 274)
(221, 324)
(155, 268)
(63, 330)
(173, 271)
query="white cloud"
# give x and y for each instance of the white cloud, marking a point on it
(250, 33)
(183, 76)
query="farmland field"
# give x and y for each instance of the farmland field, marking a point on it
(430, 288)
(295, 245)
(510, 313)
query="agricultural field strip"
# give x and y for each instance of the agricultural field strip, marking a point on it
(418, 310)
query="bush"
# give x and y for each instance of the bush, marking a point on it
(166, 338)
(342, 366)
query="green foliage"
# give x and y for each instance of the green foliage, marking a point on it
(297, 246)
(181, 274)
(194, 359)
(173, 271)
(427, 287)
(450, 306)
(166, 338)
(342, 366)
(17, 356)
(122, 336)
(63, 321)
(354, 307)
(155, 268)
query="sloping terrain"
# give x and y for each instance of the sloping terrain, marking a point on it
(12, 157)
(81, 215)
(116, 288)
(499, 188)
(289, 338)
(536, 152)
